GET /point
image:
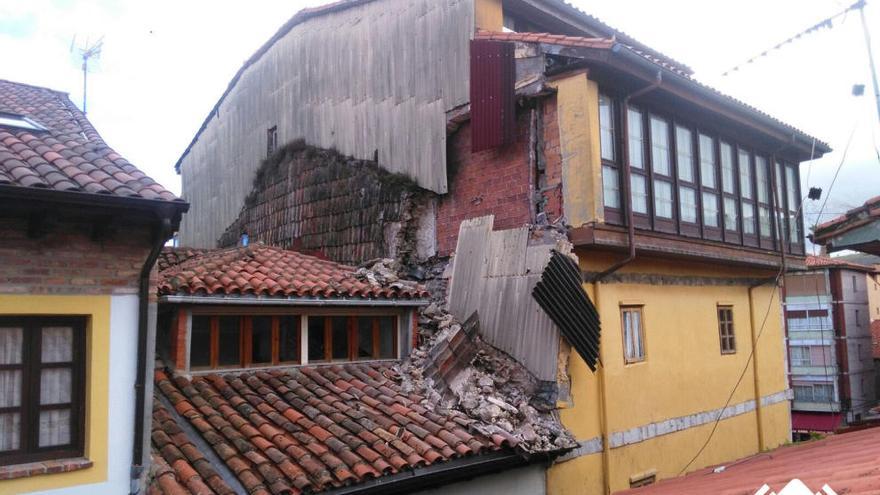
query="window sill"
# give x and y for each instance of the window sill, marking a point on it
(45, 467)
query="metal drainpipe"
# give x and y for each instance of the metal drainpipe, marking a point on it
(631, 235)
(162, 234)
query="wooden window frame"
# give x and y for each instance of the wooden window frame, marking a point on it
(353, 337)
(748, 239)
(690, 229)
(765, 241)
(661, 224)
(793, 189)
(634, 309)
(245, 334)
(30, 406)
(726, 329)
(641, 220)
(614, 215)
(730, 236)
(713, 233)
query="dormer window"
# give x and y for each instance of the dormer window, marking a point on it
(19, 122)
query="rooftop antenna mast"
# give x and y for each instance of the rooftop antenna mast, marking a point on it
(87, 52)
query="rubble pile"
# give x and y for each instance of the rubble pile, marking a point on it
(392, 273)
(383, 272)
(493, 389)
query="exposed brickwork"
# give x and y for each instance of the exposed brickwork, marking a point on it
(491, 182)
(319, 201)
(550, 183)
(496, 182)
(67, 261)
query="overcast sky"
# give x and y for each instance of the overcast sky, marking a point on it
(165, 63)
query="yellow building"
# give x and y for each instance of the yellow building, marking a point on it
(683, 207)
(80, 230)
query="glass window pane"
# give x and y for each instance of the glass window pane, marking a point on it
(57, 345)
(627, 334)
(794, 229)
(707, 161)
(606, 127)
(288, 345)
(55, 386)
(684, 151)
(764, 221)
(660, 145)
(779, 199)
(761, 173)
(261, 339)
(748, 219)
(10, 388)
(339, 329)
(745, 175)
(200, 342)
(636, 139)
(710, 209)
(317, 350)
(663, 199)
(10, 345)
(611, 187)
(637, 334)
(791, 185)
(731, 216)
(10, 431)
(365, 337)
(727, 175)
(54, 428)
(229, 352)
(687, 198)
(386, 337)
(639, 194)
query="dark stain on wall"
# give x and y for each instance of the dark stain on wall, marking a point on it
(321, 202)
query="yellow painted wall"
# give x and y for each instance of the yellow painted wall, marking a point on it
(684, 373)
(97, 308)
(488, 15)
(577, 102)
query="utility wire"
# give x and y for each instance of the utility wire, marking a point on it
(826, 23)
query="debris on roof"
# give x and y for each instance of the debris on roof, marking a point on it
(303, 429)
(846, 462)
(66, 153)
(456, 369)
(260, 270)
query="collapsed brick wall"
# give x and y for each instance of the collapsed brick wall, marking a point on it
(501, 181)
(67, 260)
(320, 202)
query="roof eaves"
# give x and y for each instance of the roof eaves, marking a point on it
(252, 300)
(298, 18)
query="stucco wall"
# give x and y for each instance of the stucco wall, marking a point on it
(530, 480)
(660, 411)
(373, 79)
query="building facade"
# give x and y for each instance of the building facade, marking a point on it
(830, 344)
(80, 229)
(680, 204)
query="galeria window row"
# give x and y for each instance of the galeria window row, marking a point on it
(687, 181)
(239, 341)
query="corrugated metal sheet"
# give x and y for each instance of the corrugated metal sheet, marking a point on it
(377, 77)
(494, 274)
(561, 294)
(493, 112)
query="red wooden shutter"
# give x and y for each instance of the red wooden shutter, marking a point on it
(493, 75)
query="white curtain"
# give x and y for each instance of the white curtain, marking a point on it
(55, 386)
(10, 345)
(54, 427)
(57, 345)
(10, 424)
(10, 387)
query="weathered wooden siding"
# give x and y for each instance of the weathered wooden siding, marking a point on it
(494, 273)
(373, 78)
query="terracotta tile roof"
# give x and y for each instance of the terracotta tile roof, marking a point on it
(846, 462)
(829, 262)
(269, 271)
(179, 467)
(308, 429)
(69, 155)
(173, 256)
(856, 217)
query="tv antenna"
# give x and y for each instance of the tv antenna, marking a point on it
(87, 52)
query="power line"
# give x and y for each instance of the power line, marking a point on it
(826, 23)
